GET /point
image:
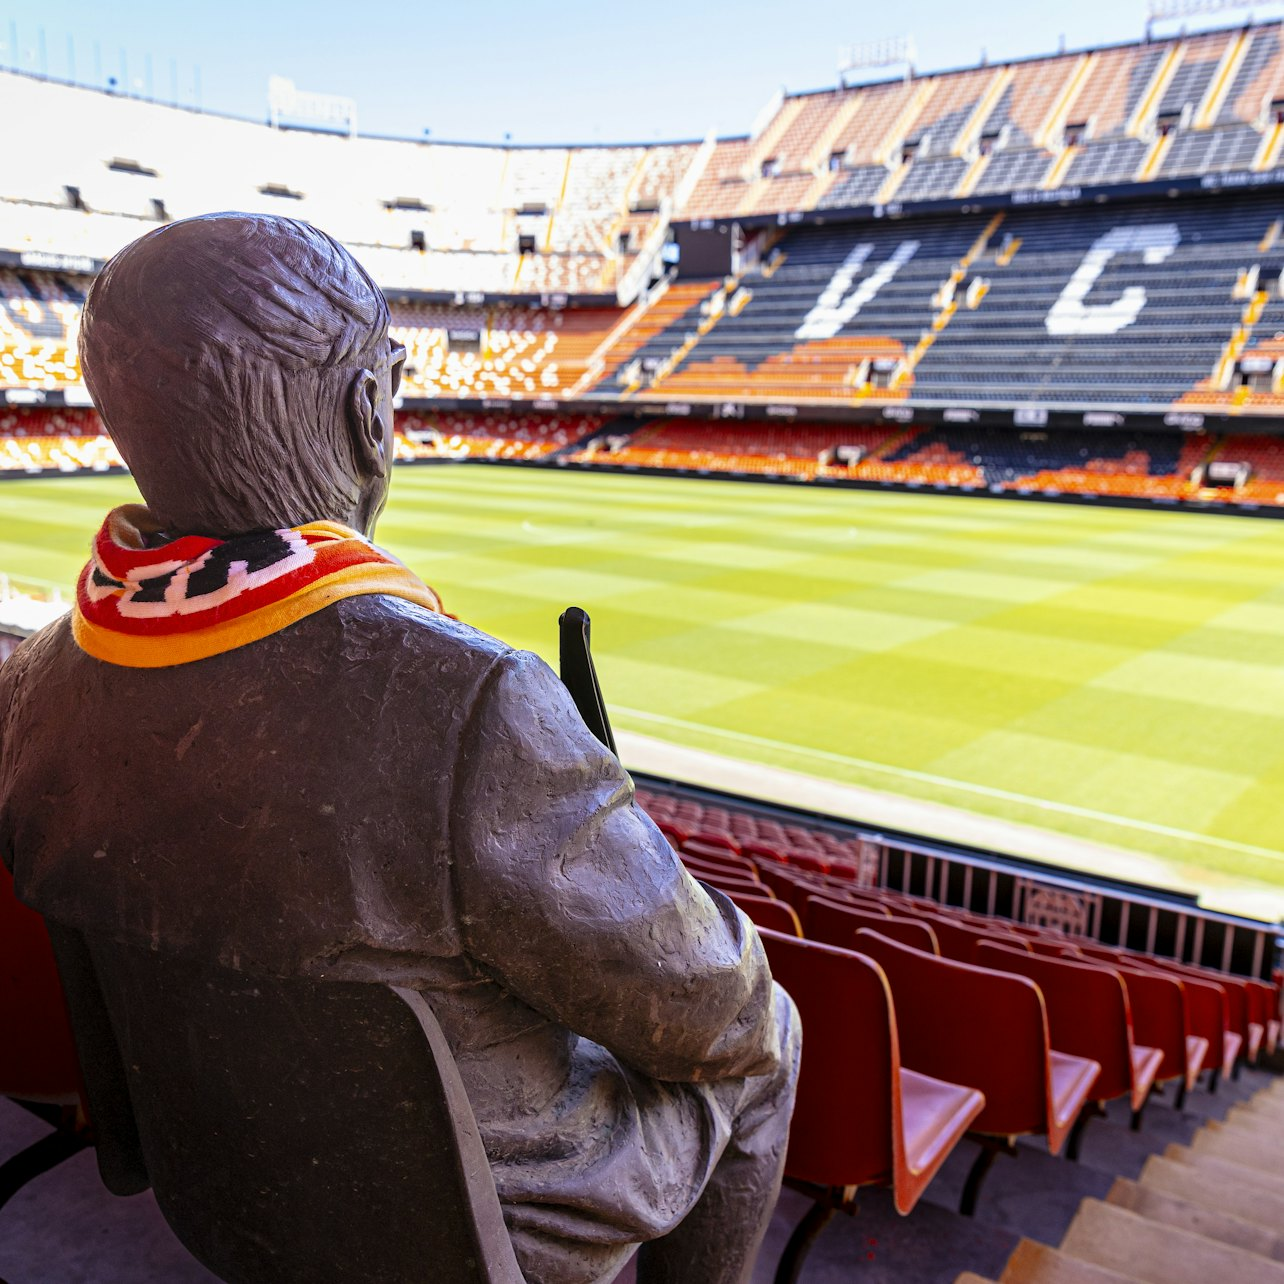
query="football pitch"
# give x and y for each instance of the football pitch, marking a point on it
(1113, 675)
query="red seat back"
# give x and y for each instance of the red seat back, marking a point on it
(848, 1089)
(837, 924)
(701, 867)
(769, 913)
(958, 939)
(37, 1056)
(1159, 1017)
(1087, 1007)
(691, 850)
(726, 883)
(1205, 1011)
(972, 1026)
(1234, 987)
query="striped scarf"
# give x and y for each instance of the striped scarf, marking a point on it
(193, 597)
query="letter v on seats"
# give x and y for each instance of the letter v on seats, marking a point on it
(836, 306)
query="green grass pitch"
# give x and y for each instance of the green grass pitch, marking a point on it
(1117, 675)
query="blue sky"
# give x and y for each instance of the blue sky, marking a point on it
(579, 70)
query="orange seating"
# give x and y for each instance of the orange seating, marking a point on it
(837, 924)
(861, 1117)
(766, 911)
(1089, 1016)
(988, 1030)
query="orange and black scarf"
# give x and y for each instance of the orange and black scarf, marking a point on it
(193, 597)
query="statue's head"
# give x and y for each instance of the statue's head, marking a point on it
(242, 365)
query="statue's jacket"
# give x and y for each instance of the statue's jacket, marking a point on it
(381, 794)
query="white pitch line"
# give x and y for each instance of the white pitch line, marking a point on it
(964, 786)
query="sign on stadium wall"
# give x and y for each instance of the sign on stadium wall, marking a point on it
(900, 412)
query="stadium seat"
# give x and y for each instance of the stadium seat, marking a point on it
(1089, 1016)
(1239, 1019)
(728, 883)
(723, 862)
(988, 1030)
(211, 1089)
(766, 911)
(837, 924)
(1265, 1008)
(38, 1066)
(959, 939)
(861, 1117)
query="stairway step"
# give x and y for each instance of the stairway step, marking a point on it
(1035, 1263)
(1240, 1148)
(1227, 1170)
(1158, 1254)
(1188, 1182)
(1265, 1113)
(1264, 1129)
(1169, 1210)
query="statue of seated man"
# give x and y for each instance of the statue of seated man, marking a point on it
(259, 741)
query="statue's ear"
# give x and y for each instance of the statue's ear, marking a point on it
(366, 415)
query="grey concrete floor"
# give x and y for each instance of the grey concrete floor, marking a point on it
(64, 1228)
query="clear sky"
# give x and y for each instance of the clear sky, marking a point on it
(542, 71)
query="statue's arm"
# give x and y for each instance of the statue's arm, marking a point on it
(569, 895)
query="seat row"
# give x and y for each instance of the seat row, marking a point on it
(926, 1025)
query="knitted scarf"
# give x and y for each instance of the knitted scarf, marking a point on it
(193, 597)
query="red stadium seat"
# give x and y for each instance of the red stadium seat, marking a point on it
(988, 1030)
(763, 851)
(1233, 1006)
(1161, 1019)
(716, 857)
(959, 939)
(861, 1118)
(768, 912)
(727, 869)
(1265, 1006)
(837, 924)
(729, 883)
(1089, 1016)
(38, 1064)
(715, 838)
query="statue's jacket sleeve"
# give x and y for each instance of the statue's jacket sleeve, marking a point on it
(572, 899)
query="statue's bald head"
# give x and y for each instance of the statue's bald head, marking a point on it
(221, 353)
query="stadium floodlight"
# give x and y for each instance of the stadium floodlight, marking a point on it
(287, 102)
(895, 52)
(1169, 10)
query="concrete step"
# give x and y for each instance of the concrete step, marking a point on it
(1169, 1210)
(1261, 1129)
(1188, 1182)
(1241, 1148)
(1258, 1114)
(1035, 1263)
(1123, 1241)
(1227, 1170)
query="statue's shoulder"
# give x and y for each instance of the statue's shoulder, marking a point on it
(403, 632)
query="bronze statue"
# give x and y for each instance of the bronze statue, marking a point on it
(261, 743)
